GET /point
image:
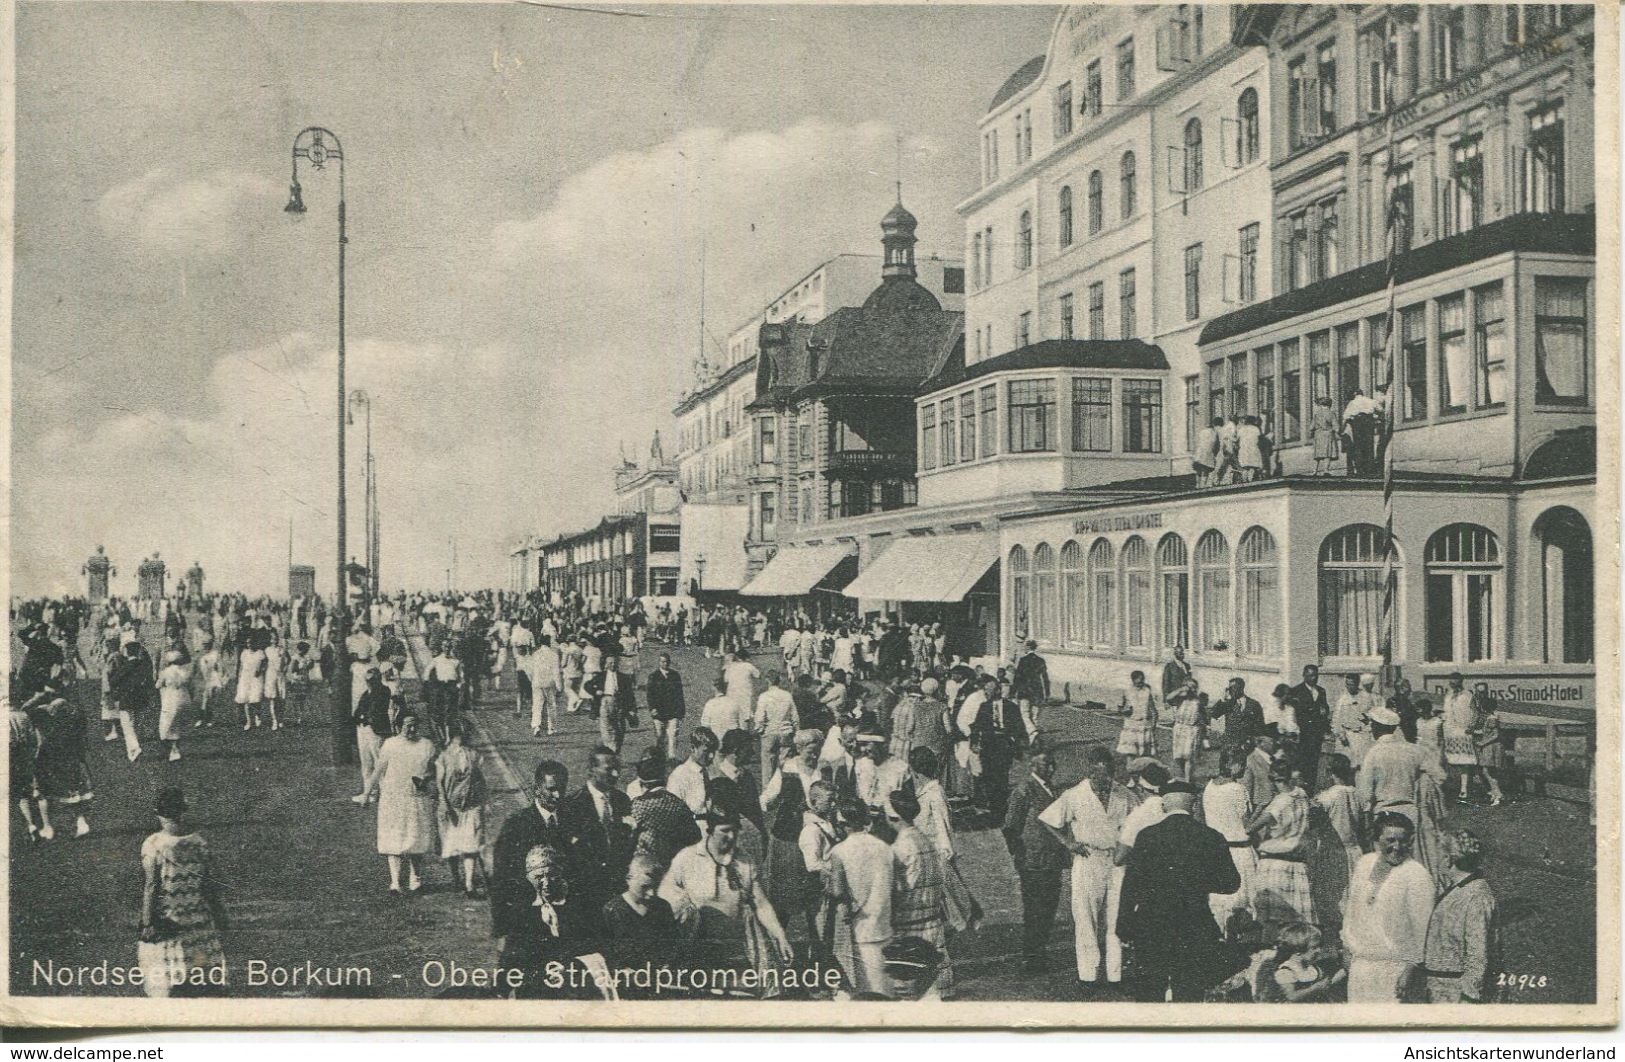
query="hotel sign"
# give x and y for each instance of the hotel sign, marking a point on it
(1098, 525)
(1088, 26)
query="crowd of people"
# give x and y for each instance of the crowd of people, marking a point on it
(810, 813)
(1244, 447)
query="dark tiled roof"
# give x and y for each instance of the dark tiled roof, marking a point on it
(879, 345)
(1017, 81)
(1131, 354)
(1561, 233)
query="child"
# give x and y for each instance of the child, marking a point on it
(211, 668)
(275, 681)
(1139, 706)
(302, 667)
(1295, 974)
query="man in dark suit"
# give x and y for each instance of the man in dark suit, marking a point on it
(1038, 856)
(598, 820)
(1314, 712)
(1030, 686)
(998, 735)
(1243, 716)
(538, 824)
(1164, 915)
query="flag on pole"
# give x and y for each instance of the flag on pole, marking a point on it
(1385, 423)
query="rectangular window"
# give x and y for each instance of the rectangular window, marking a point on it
(1091, 414)
(806, 449)
(1348, 366)
(1031, 413)
(1264, 384)
(1561, 370)
(1326, 78)
(1413, 359)
(950, 441)
(1142, 416)
(1320, 366)
(1239, 385)
(1247, 289)
(1327, 259)
(1301, 108)
(807, 514)
(1291, 392)
(1063, 111)
(1193, 282)
(1543, 162)
(1465, 206)
(1375, 67)
(1024, 329)
(928, 437)
(1402, 208)
(1091, 90)
(1449, 41)
(1125, 304)
(1454, 367)
(990, 420)
(1097, 310)
(767, 447)
(768, 509)
(1125, 69)
(967, 426)
(1193, 411)
(1215, 390)
(1067, 329)
(1297, 251)
(1377, 340)
(1490, 345)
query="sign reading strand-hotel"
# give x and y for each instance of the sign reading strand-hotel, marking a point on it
(1112, 521)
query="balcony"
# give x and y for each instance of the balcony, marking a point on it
(888, 461)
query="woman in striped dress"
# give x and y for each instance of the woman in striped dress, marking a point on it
(181, 909)
(1281, 894)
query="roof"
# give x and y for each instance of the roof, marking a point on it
(1131, 354)
(900, 217)
(1017, 81)
(1559, 233)
(608, 523)
(888, 341)
(700, 394)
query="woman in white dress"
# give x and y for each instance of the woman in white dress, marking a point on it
(1224, 808)
(403, 781)
(174, 698)
(276, 683)
(1386, 915)
(251, 678)
(1249, 451)
(462, 792)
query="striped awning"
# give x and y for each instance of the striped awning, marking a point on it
(795, 570)
(927, 568)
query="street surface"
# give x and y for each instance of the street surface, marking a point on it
(307, 892)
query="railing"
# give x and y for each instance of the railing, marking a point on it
(853, 460)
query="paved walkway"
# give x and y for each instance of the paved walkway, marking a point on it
(306, 885)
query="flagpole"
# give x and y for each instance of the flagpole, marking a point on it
(1385, 438)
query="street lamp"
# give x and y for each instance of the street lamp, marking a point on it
(318, 147)
(358, 397)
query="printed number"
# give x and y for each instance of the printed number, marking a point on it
(1522, 981)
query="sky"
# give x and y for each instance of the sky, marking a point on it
(527, 192)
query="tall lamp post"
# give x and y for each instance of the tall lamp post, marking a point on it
(359, 397)
(318, 147)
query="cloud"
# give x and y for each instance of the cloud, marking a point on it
(211, 216)
(575, 329)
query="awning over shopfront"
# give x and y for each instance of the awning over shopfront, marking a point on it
(927, 568)
(795, 570)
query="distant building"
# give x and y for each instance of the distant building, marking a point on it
(98, 572)
(151, 576)
(301, 581)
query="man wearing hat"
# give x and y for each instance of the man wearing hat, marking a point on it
(860, 879)
(911, 965)
(1164, 914)
(662, 824)
(1031, 686)
(372, 725)
(1388, 777)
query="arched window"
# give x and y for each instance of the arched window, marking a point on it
(1097, 202)
(1024, 241)
(1566, 586)
(1072, 593)
(1102, 595)
(1259, 621)
(1351, 591)
(1463, 568)
(1045, 597)
(1020, 594)
(1193, 156)
(1247, 127)
(1213, 592)
(1126, 193)
(1066, 216)
(1137, 606)
(1174, 592)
